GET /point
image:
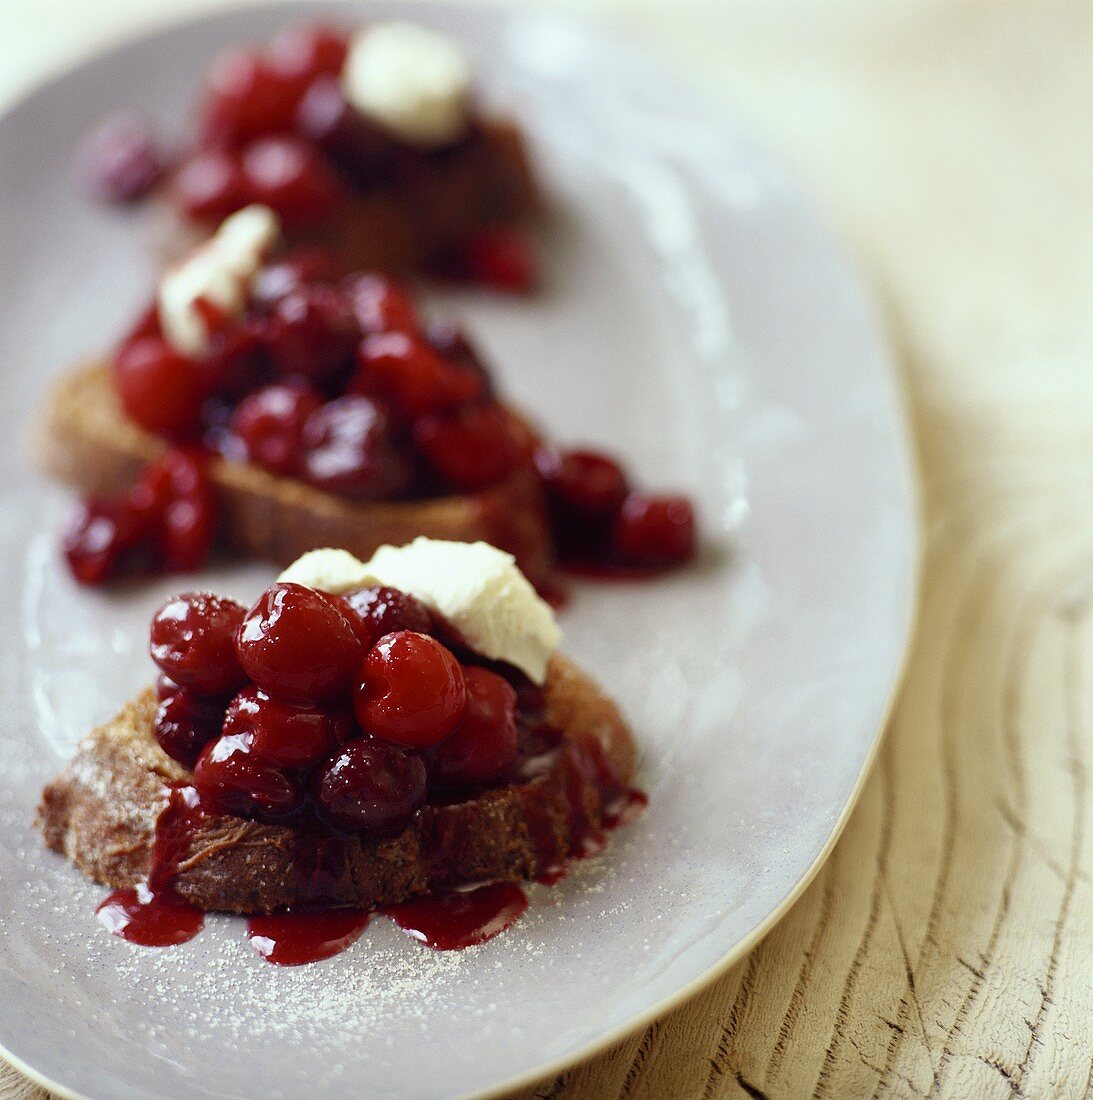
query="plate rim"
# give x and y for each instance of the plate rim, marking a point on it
(900, 431)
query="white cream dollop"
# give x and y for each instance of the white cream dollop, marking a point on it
(413, 81)
(219, 272)
(476, 587)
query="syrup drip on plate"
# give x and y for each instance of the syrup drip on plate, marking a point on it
(450, 922)
(152, 913)
(293, 938)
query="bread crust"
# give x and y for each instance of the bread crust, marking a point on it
(101, 813)
(88, 442)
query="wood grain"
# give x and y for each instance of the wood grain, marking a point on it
(947, 947)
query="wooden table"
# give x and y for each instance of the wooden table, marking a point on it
(947, 946)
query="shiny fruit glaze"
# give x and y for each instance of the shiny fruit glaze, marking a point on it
(450, 922)
(193, 642)
(285, 734)
(482, 748)
(378, 610)
(185, 723)
(307, 936)
(299, 644)
(411, 690)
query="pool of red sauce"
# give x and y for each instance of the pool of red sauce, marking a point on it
(153, 914)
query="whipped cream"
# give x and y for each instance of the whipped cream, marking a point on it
(413, 81)
(474, 586)
(219, 272)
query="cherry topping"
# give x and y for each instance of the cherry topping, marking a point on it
(301, 266)
(295, 938)
(270, 423)
(188, 524)
(210, 185)
(361, 148)
(482, 748)
(98, 537)
(247, 96)
(500, 257)
(382, 304)
(475, 447)
(379, 610)
(121, 160)
(655, 530)
(287, 735)
(411, 690)
(299, 644)
(303, 53)
(348, 450)
(288, 175)
(587, 481)
(159, 389)
(418, 380)
(193, 641)
(313, 333)
(185, 723)
(230, 779)
(370, 786)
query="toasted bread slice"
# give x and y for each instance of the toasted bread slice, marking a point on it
(88, 442)
(102, 812)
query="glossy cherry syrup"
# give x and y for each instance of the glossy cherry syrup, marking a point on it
(152, 913)
(294, 938)
(450, 922)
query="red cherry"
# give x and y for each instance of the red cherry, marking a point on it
(299, 644)
(245, 97)
(288, 175)
(185, 723)
(500, 257)
(482, 748)
(270, 424)
(655, 530)
(230, 779)
(382, 304)
(361, 148)
(193, 642)
(121, 161)
(377, 611)
(306, 264)
(313, 333)
(287, 735)
(305, 52)
(98, 537)
(586, 481)
(348, 450)
(418, 380)
(159, 389)
(210, 185)
(370, 786)
(189, 517)
(411, 690)
(475, 447)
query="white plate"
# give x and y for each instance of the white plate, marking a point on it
(697, 319)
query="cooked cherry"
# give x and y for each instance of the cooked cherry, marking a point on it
(655, 530)
(411, 690)
(270, 425)
(288, 175)
(305, 52)
(302, 265)
(589, 482)
(210, 185)
(500, 257)
(482, 748)
(121, 161)
(370, 786)
(382, 304)
(380, 610)
(236, 361)
(418, 380)
(230, 779)
(188, 524)
(185, 723)
(159, 389)
(165, 686)
(193, 641)
(298, 644)
(475, 447)
(360, 147)
(348, 450)
(98, 537)
(287, 735)
(247, 96)
(313, 333)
